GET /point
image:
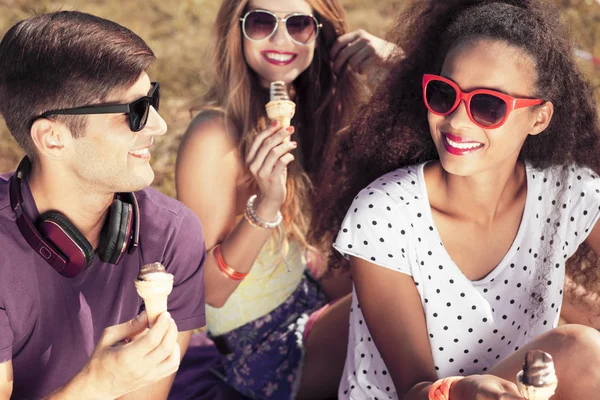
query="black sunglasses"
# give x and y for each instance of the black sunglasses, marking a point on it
(138, 110)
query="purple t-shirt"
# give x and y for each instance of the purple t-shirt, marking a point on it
(50, 324)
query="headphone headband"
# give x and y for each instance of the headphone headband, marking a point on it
(59, 242)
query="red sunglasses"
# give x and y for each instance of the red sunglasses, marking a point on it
(487, 109)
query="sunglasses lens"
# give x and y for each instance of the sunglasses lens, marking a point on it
(487, 110)
(258, 25)
(139, 114)
(440, 96)
(302, 28)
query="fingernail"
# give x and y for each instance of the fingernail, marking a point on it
(290, 129)
(294, 144)
(274, 123)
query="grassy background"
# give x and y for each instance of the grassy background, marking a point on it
(179, 32)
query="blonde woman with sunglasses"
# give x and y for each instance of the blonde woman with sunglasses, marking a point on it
(251, 183)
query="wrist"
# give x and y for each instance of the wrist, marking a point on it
(442, 388)
(455, 391)
(86, 382)
(266, 209)
(81, 386)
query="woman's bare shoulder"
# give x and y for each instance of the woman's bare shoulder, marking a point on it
(211, 127)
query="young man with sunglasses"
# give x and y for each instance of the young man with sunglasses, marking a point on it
(77, 219)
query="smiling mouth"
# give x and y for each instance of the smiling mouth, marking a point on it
(141, 153)
(458, 146)
(277, 58)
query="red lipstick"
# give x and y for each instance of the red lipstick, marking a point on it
(456, 145)
(288, 57)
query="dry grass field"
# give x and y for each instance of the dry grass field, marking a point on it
(178, 31)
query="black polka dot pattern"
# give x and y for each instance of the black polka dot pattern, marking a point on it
(471, 325)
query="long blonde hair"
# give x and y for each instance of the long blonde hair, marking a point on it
(324, 102)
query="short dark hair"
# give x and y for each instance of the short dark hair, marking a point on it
(61, 60)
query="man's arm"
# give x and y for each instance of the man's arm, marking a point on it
(128, 357)
(6, 380)
(160, 390)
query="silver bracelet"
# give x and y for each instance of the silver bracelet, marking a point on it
(259, 221)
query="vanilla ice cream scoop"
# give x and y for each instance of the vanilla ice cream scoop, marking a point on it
(154, 284)
(278, 91)
(537, 380)
(280, 107)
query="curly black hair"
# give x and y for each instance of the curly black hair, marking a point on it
(392, 131)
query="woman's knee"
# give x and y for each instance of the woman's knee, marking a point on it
(578, 336)
(577, 345)
(576, 352)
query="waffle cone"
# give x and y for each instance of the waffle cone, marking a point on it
(535, 392)
(155, 294)
(282, 111)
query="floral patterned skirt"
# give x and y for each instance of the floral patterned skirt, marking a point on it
(263, 359)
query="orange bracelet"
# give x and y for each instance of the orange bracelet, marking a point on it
(440, 389)
(226, 269)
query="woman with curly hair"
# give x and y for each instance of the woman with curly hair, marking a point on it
(478, 161)
(267, 314)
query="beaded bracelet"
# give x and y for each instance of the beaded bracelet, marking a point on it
(255, 220)
(250, 220)
(226, 269)
(440, 389)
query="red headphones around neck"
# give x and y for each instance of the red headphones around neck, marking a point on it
(60, 243)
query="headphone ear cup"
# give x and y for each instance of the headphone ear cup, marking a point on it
(123, 233)
(72, 233)
(110, 232)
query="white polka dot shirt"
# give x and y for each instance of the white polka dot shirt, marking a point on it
(471, 324)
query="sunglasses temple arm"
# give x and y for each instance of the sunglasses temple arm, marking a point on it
(117, 109)
(520, 103)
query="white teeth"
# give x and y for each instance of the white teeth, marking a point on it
(279, 57)
(142, 152)
(462, 146)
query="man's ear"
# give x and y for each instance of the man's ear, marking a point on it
(543, 116)
(49, 137)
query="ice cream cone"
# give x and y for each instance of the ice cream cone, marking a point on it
(537, 380)
(280, 108)
(154, 284)
(535, 392)
(282, 111)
